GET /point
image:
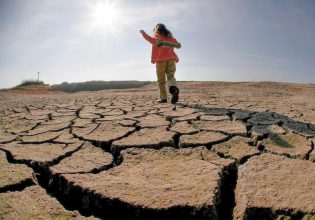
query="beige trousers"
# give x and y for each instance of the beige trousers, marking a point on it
(165, 70)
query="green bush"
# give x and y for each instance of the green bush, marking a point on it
(31, 82)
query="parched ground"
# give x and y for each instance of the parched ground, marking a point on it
(224, 151)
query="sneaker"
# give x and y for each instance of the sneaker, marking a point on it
(162, 101)
(174, 91)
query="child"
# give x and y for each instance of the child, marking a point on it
(163, 55)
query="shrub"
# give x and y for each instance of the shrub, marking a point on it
(31, 82)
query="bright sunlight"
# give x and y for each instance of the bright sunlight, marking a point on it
(106, 14)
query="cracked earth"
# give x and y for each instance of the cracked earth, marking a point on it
(224, 151)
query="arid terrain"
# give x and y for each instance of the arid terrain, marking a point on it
(224, 151)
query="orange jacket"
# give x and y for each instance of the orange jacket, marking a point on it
(160, 52)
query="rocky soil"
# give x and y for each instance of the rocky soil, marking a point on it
(224, 151)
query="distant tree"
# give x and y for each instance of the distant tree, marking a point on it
(98, 85)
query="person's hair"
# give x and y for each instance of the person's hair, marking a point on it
(162, 30)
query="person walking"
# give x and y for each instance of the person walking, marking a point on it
(163, 55)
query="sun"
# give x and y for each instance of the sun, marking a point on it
(106, 14)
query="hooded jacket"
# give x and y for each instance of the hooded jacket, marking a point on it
(162, 48)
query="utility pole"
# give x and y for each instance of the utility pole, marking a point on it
(37, 77)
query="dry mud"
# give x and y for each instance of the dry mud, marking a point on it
(224, 151)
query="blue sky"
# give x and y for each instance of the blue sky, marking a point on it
(222, 40)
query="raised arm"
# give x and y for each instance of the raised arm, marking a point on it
(150, 39)
(158, 42)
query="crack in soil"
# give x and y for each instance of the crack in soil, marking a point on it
(18, 186)
(307, 157)
(35, 164)
(229, 179)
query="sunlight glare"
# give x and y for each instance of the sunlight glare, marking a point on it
(106, 14)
